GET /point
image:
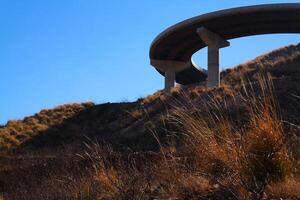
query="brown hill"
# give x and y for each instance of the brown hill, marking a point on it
(125, 124)
(233, 131)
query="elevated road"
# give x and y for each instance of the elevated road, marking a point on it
(172, 50)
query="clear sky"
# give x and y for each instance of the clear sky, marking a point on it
(63, 51)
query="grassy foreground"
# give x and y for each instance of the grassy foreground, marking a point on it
(239, 141)
(210, 151)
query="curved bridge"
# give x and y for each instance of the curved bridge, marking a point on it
(171, 51)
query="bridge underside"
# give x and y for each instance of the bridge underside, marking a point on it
(179, 42)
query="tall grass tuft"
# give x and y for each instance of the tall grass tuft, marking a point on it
(242, 151)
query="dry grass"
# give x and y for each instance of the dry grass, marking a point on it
(141, 176)
(210, 155)
(243, 158)
(282, 62)
(222, 143)
(16, 132)
(287, 189)
(150, 98)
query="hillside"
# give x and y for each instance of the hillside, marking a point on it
(124, 123)
(45, 143)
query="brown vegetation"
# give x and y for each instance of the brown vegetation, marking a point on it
(239, 141)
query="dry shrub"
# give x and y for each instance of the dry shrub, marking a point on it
(150, 98)
(287, 189)
(140, 175)
(116, 176)
(136, 114)
(243, 159)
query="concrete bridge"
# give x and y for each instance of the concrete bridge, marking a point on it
(171, 51)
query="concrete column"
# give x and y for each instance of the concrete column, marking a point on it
(213, 79)
(170, 68)
(169, 80)
(214, 42)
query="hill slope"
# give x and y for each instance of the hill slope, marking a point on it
(232, 142)
(126, 123)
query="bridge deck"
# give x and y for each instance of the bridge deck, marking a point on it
(180, 42)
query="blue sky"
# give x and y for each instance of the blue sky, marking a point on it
(63, 51)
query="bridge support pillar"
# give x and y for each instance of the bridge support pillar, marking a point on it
(214, 42)
(170, 68)
(213, 71)
(169, 80)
